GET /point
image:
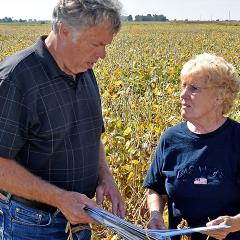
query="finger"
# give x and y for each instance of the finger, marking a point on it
(87, 202)
(99, 195)
(114, 201)
(79, 216)
(216, 221)
(118, 207)
(91, 204)
(153, 226)
(86, 218)
(91, 220)
(121, 209)
(216, 234)
(156, 225)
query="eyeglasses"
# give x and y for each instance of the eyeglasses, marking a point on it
(192, 88)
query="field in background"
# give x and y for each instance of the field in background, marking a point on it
(139, 82)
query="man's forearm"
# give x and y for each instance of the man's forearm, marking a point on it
(19, 181)
(104, 170)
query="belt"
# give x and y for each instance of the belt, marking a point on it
(29, 203)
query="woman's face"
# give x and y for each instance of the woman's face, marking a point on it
(199, 101)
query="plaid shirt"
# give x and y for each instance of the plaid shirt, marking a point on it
(50, 123)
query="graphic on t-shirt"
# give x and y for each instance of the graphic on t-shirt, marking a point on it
(200, 175)
(200, 180)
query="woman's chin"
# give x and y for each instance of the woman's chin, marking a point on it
(184, 115)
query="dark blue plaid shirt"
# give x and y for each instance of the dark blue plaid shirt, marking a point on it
(50, 123)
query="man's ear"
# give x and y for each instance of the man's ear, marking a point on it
(64, 31)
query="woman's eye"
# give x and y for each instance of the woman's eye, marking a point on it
(193, 88)
(190, 88)
(183, 86)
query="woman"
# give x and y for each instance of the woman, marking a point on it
(196, 167)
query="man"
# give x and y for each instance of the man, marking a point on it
(51, 156)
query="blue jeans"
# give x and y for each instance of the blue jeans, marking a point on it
(19, 222)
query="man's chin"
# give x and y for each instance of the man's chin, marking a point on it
(84, 69)
(81, 70)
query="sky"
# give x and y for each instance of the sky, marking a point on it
(172, 9)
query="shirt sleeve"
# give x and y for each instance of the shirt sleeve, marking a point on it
(13, 120)
(154, 179)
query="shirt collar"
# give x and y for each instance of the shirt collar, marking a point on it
(50, 65)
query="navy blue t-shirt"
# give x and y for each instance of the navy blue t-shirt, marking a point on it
(200, 173)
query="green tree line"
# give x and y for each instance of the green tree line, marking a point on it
(148, 18)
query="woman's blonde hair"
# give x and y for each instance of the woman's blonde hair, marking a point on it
(219, 73)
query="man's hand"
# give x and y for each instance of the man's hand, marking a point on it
(156, 221)
(108, 188)
(72, 204)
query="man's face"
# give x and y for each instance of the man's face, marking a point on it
(81, 54)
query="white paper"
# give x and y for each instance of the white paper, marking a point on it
(129, 231)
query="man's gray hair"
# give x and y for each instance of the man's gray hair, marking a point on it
(82, 14)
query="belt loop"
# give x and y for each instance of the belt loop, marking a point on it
(8, 197)
(56, 213)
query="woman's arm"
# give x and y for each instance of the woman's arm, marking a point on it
(156, 204)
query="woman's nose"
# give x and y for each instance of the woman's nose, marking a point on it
(184, 92)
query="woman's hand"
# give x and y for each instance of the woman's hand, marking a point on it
(232, 222)
(156, 221)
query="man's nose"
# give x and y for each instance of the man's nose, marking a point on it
(101, 53)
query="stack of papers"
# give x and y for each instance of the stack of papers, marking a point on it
(130, 231)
